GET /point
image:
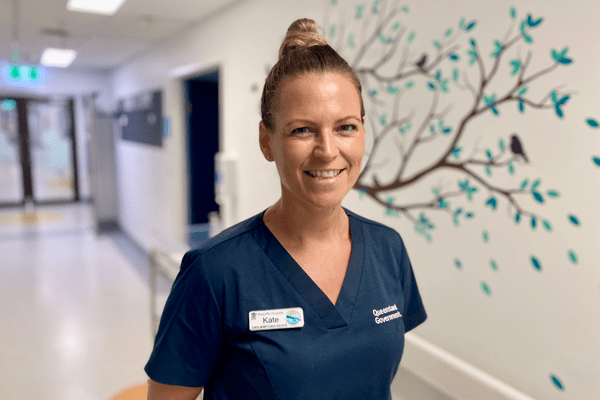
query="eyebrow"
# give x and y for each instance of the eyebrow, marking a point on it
(307, 121)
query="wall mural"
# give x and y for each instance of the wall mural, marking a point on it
(423, 106)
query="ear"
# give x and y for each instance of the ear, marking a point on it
(264, 140)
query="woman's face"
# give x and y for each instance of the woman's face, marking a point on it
(318, 139)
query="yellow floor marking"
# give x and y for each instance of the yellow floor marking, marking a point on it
(29, 218)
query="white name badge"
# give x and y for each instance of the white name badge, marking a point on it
(282, 318)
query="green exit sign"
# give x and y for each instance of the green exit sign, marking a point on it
(22, 75)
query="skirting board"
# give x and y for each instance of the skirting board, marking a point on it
(452, 375)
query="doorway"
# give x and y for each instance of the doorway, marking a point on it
(202, 117)
(37, 151)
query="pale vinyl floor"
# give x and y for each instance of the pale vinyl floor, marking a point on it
(74, 311)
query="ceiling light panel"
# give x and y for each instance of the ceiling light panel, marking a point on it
(105, 7)
(60, 58)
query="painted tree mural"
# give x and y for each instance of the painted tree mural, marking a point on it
(424, 106)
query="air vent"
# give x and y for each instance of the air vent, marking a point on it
(57, 32)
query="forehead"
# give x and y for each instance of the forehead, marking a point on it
(318, 93)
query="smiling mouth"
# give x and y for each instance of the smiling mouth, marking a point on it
(324, 174)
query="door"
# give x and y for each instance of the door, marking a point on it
(11, 172)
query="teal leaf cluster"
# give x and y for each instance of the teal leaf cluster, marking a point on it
(332, 30)
(444, 130)
(383, 119)
(469, 190)
(516, 66)
(393, 89)
(375, 6)
(492, 202)
(448, 32)
(561, 57)
(351, 42)
(358, 11)
(458, 212)
(592, 122)
(456, 152)
(531, 22)
(596, 160)
(490, 102)
(559, 102)
(498, 48)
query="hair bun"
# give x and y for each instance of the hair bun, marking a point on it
(302, 33)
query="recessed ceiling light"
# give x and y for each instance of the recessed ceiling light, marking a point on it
(106, 7)
(60, 58)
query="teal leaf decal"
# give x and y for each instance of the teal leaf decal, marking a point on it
(511, 168)
(457, 212)
(351, 42)
(557, 382)
(501, 145)
(436, 44)
(396, 26)
(521, 106)
(411, 36)
(492, 202)
(517, 217)
(383, 119)
(409, 84)
(558, 103)
(373, 93)
(454, 57)
(573, 257)
(486, 288)
(456, 152)
(513, 13)
(375, 6)
(536, 263)
(522, 91)
(552, 193)
(470, 26)
(362, 192)
(488, 170)
(524, 184)
(473, 54)
(498, 48)
(405, 9)
(392, 89)
(592, 122)
(485, 236)
(457, 263)
(455, 74)
(538, 197)
(489, 155)
(442, 203)
(547, 225)
(423, 220)
(332, 30)
(574, 220)
(431, 85)
(516, 66)
(596, 160)
(533, 22)
(358, 11)
(535, 184)
(490, 102)
(448, 32)
(468, 189)
(469, 215)
(561, 57)
(533, 222)
(494, 265)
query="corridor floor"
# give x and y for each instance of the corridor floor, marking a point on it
(74, 314)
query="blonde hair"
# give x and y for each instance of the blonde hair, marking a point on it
(302, 52)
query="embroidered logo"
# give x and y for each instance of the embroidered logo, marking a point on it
(386, 310)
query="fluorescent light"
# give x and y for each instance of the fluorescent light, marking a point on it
(60, 58)
(106, 7)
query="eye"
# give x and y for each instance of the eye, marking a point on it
(348, 128)
(301, 131)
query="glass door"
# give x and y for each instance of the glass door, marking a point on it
(11, 172)
(51, 142)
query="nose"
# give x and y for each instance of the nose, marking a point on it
(326, 146)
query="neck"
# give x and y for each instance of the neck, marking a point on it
(301, 224)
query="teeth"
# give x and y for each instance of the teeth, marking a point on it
(324, 174)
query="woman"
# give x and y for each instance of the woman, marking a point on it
(305, 300)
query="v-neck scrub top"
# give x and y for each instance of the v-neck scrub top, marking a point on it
(350, 350)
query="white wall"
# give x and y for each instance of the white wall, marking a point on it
(72, 83)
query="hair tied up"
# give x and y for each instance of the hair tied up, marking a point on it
(301, 34)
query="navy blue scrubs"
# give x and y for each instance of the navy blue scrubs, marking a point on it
(350, 350)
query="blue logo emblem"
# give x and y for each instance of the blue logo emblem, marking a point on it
(292, 317)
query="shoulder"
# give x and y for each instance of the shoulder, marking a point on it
(224, 248)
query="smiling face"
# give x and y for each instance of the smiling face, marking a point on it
(318, 139)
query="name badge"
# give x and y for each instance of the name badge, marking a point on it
(282, 318)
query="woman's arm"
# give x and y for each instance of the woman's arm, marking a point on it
(160, 391)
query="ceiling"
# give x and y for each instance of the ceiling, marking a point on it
(102, 42)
